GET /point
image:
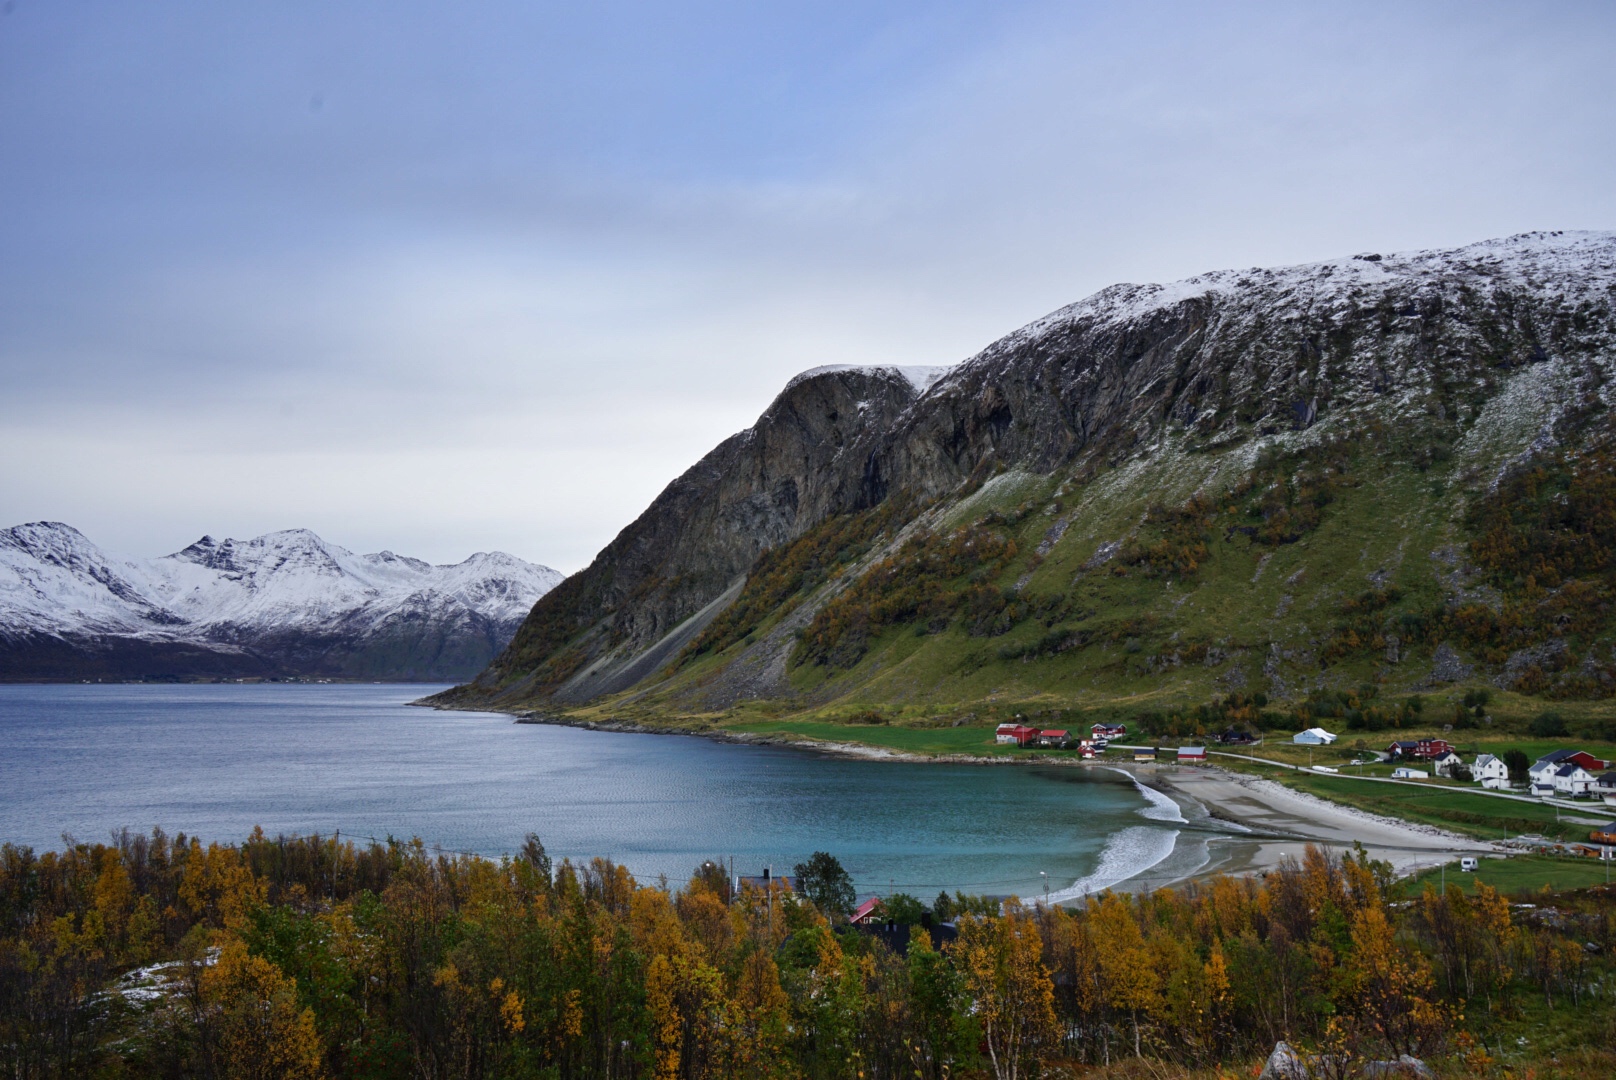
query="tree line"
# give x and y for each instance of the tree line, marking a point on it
(315, 957)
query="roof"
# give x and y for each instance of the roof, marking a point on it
(1558, 755)
(1606, 827)
(1570, 768)
(863, 910)
(1483, 760)
(1607, 779)
(1185, 750)
(1055, 733)
(1405, 742)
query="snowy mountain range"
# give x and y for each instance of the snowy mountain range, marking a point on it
(283, 604)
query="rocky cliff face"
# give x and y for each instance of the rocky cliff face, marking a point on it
(1468, 362)
(662, 579)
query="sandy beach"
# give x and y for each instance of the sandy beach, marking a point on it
(1281, 824)
(1234, 823)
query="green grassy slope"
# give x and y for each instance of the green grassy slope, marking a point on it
(1141, 592)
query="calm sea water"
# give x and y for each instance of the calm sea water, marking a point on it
(215, 761)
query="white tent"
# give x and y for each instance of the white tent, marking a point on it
(1314, 736)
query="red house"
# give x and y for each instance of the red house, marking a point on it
(1420, 749)
(1053, 737)
(1019, 734)
(1109, 731)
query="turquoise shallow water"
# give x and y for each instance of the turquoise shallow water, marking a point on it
(217, 760)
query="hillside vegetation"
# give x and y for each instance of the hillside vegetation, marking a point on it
(1377, 478)
(309, 957)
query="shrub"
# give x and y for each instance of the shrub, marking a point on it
(1549, 725)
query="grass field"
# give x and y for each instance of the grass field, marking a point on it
(1462, 811)
(915, 740)
(1513, 876)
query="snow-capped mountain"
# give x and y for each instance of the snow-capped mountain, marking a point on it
(286, 603)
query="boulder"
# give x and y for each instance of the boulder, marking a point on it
(1405, 1067)
(1284, 1064)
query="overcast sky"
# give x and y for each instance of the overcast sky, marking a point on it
(443, 277)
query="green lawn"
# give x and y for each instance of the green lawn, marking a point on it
(971, 739)
(967, 739)
(1521, 874)
(1453, 808)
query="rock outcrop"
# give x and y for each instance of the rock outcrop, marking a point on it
(656, 585)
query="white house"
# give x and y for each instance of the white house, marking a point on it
(1444, 764)
(1313, 736)
(1605, 787)
(1573, 780)
(1403, 772)
(1490, 771)
(1543, 769)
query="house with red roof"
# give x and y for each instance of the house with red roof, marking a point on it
(865, 911)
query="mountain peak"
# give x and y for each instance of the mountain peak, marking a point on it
(1285, 394)
(284, 601)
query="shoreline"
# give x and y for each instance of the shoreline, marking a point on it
(1234, 823)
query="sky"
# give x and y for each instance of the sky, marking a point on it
(442, 278)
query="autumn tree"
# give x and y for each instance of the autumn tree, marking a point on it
(1131, 983)
(1012, 993)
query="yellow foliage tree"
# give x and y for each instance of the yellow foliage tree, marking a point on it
(1010, 987)
(253, 1028)
(1131, 982)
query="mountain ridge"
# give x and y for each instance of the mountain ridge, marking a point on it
(1123, 472)
(283, 604)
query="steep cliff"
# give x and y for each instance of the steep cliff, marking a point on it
(668, 573)
(1188, 487)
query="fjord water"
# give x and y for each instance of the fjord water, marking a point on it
(216, 760)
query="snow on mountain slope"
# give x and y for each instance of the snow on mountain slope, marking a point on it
(278, 591)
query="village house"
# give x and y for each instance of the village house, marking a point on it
(1191, 754)
(1419, 749)
(1145, 755)
(1605, 787)
(1313, 736)
(1403, 772)
(766, 882)
(1490, 772)
(1604, 834)
(1445, 764)
(1019, 734)
(865, 911)
(1056, 737)
(1572, 780)
(1548, 763)
(1109, 731)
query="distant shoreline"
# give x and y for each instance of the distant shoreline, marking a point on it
(1275, 822)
